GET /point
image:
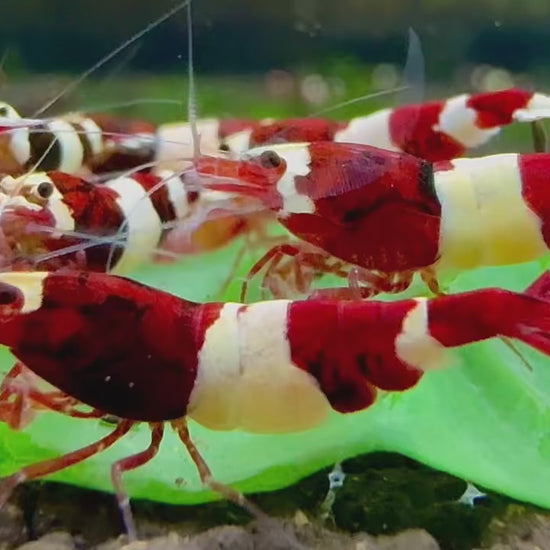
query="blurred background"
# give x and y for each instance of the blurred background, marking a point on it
(267, 58)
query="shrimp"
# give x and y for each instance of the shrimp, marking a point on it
(436, 130)
(269, 367)
(378, 217)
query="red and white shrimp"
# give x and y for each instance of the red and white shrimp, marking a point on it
(53, 219)
(435, 130)
(73, 142)
(269, 367)
(387, 215)
(133, 144)
(174, 141)
(111, 226)
(168, 147)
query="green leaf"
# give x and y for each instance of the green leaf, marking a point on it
(485, 419)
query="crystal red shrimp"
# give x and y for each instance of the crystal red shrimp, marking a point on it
(163, 147)
(177, 359)
(116, 144)
(71, 142)
(388, 215)
(138, 137)
(53, 219)
(119, 223)
(169, 144)
(435, 131)
(174, 141)
(75, 205)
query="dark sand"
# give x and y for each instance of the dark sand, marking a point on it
(399, 503)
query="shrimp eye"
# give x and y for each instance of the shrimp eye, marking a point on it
(8, 294)
(44, 189)
(224, 147)
(270, 159)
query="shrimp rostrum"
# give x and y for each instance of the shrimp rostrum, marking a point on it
(269, 367)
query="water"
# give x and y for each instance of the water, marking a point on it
(289, 59)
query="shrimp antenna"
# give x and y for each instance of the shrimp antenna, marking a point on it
(70, 87)
(132, 103)
(117, 239)
(192, 96)
(359, 99)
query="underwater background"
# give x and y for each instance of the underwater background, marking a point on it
(487, 422)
